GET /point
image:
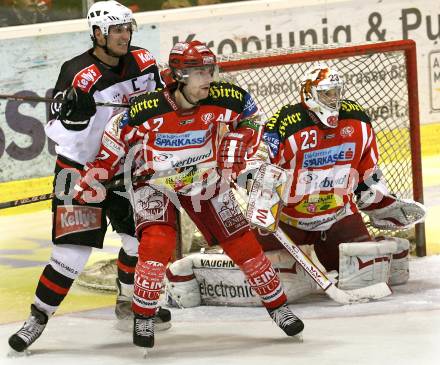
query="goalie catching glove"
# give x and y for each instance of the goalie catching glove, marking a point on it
(391, 212)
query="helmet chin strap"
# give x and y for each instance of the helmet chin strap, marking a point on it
(181, 86)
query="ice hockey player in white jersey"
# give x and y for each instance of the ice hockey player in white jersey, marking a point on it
(111, 71)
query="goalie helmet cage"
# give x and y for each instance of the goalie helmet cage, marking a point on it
(381, 77)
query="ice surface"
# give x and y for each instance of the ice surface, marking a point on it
(401, 329)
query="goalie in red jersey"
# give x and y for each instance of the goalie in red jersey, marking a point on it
(178, 130)
(329, 146)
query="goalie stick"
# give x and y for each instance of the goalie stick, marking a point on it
(264, 207)
(361, 295)
(40, 99)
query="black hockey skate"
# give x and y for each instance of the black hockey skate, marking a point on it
(286, 320)
(124, 313)
(143, 331)
(31, 330)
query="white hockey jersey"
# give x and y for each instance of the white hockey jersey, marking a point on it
(137, 73)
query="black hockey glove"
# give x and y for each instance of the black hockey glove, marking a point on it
(77, 109)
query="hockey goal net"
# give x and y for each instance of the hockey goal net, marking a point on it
(382, 77)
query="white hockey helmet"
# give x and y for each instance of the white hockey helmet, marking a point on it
(321, 91)
(104, 14)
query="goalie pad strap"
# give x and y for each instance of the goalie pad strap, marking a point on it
(400, 262)
(368, 248)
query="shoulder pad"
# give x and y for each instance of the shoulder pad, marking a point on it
(146, 106)
(82, 71)
(288, 120)
(226, 95)
(352, 110)
(143, 58)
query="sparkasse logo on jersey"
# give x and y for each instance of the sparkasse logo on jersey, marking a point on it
(329, 156)
(178, 140)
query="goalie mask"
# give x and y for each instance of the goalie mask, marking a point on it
(321, 92)
(186, 57)
(104, 14)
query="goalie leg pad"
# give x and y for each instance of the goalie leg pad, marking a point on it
(365, 263)
(296, 282)
(214, 279)
(181, 286)
(400, 262)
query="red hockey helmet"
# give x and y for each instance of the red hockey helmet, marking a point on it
(184, 56)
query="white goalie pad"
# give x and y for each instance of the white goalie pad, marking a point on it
(363, 264)
(213, 279)
(181, 286)
(400, 262)
(269, 191)
(402, 214)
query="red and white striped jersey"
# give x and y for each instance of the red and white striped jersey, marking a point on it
(167, 139)
(327, 163)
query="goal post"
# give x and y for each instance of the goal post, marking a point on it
(381, 76)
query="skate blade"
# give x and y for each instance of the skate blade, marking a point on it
(13, 354)
(298, 338)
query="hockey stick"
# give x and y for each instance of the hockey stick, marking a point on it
(361, 295)
(109, 185)
(40, 198)
(40, 99)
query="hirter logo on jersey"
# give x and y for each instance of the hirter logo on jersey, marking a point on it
(143, 58)
(86, 78)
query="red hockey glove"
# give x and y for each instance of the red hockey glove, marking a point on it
(88, 189)
(233, 148)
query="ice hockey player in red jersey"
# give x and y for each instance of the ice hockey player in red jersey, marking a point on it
(114, 71)
(329, 145)
(178, 129)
